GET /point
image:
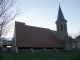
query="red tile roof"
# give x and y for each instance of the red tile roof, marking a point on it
(36, 37)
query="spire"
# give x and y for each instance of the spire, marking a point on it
(60, 14)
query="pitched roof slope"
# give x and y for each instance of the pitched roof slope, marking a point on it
(78, 37)
(29, 36)
(71, 39)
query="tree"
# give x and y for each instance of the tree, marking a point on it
(7, 14)
(73, 35)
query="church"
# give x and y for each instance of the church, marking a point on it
(31, 38)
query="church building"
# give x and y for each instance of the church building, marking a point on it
(31, 38)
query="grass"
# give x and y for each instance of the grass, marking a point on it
(71, 55)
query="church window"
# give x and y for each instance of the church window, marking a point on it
(65, 28)
(57, 27)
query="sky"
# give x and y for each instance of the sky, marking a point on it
(43, 13)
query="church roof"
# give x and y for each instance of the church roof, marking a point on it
(78, 37)
(35, 37)
(71, 39)
(60, 16)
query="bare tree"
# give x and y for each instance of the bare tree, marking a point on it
(7, 15)
(79, 32)
(74, 35)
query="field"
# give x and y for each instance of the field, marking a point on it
(70, 55)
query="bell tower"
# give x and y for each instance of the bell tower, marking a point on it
(61, 24)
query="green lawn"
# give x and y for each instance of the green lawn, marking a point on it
(71, 55)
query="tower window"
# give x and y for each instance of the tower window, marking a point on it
(57, 27)
(65, 28)
(61, 27)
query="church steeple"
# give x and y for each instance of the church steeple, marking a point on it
(61, 22)
(60, 14)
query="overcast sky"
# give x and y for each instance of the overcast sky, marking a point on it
(43, 13)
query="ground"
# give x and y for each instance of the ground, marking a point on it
(71, 55)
